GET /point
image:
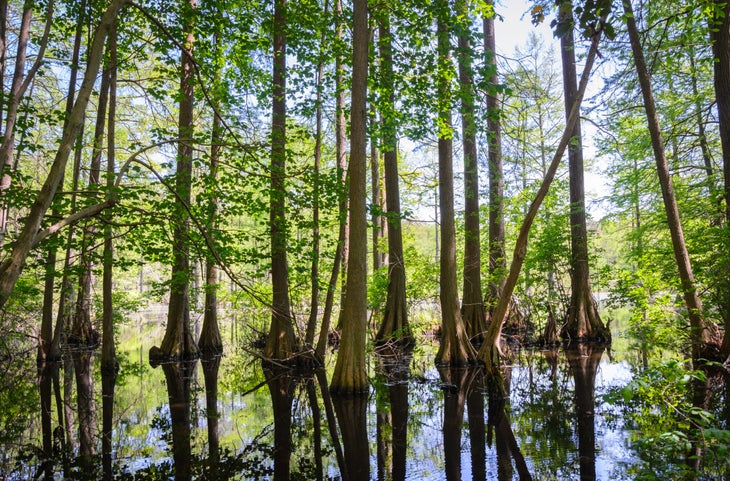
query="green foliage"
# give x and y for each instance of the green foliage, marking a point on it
(665, 406)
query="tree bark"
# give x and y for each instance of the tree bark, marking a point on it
(40, 206)
(280, 343)
(395, 318)
(210, 336)
(472, 304)
(497, 256)
(178, 342)
(108, 349)
(584, 323)
(703, 333)
(455, 348)
(349, 376)
(720, 39)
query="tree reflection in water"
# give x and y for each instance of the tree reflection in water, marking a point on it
(178, 376)
(284, 425)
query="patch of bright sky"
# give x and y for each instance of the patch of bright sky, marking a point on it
(512, 32)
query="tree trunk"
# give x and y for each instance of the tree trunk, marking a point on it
(341, 150)
(395, 318)
(178, 342)
(375, 194)
(720, 39)
(13, 268)
(497, 256)
(211, 363)
(108, 350)
(490, 350)
(82, 330)
(316, 192)
(703, 333)
(455, 348)
(472, 304)
(281, 343)
(349, 376)
(281, 388)
(210, 336)
(584, 323)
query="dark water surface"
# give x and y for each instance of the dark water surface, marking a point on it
(228, 418)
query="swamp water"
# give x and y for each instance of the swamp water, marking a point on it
(568, 416)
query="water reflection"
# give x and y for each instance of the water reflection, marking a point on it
(177, 377)
(583, 360)
(391, 399)
(255, 423)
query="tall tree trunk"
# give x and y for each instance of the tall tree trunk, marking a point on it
(720, 39)
(472, 304)
(82, 330)
(349, 376)
(51, 346)
(395, 318)
(455, 348)
(314, 272)
(584, 323)
(703, 333)
(490, 350)
(11, 269)
(108, 349)
(497, 256)
(341, 152)
(280, 342)
(376, 207)
(210, 336)
(178, 342)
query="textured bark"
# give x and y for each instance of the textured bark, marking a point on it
(349, 376)
(21, 248)
(720, 39)
(280, 343)
(178, 342)
(584, 323)
(341, 151)
(455, 348)
(85, 406)
(395, 317)
(490, 350)
(472, 304)
(703, 333)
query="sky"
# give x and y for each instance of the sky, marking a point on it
(511, 32)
